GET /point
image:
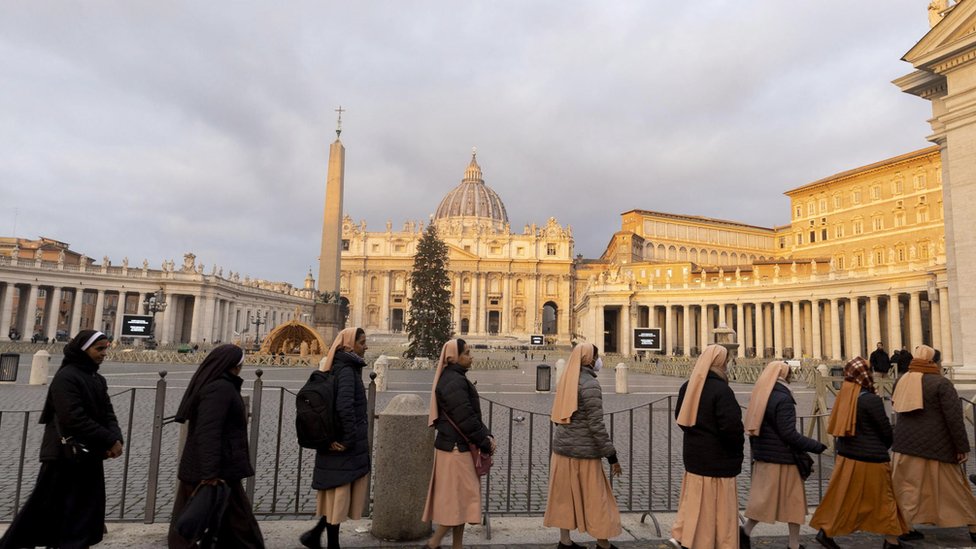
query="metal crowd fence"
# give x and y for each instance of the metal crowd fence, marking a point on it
(141, 484)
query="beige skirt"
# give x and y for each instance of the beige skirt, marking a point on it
(932, 492)
(859, 497)
(777, 494)
(454, 494)
(580, 498)
(708, 513)
(342, 502)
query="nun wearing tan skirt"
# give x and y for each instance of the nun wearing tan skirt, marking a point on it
(580, 496)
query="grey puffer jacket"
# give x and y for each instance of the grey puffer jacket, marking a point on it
(585, 436)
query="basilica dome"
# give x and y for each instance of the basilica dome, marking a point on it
(472, 202)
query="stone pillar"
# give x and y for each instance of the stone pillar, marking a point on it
(621, 379)
(401, 472)
(669, 329)
(6, 310)
(894, 323)
(458, 288)
(945, 322)
(164, 328)
(99, 318)
(506, 323)
(30, 313)
(703, 328)
(483, 303)
(835, 329)
(740, 330)
(768, 324)
(936, 319)
(854, 324)
(380, 367)
(915, 318)
(686, 328)
(53, 312)
(76, 311)
(797, 334)
(778, 328)
(807, 331)
(599, 337)
(626, 336)
(119, 312)
(40, 364)
(760, 339)
(817, 350)
(721, 315)
(874, 320)
(197, 319)
(749, 339)
(385, 304)
(474, 298)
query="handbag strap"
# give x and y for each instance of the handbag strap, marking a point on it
(458, 429)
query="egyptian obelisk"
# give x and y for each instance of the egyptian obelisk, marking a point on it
(328, 318)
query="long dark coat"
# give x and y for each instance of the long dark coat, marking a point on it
(332, 468)
(216, 441)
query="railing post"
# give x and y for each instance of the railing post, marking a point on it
(255, 430)
(154, 450)
(370, 424)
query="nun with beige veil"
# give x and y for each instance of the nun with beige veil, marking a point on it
(711, 420)
(454, 494)
(777, 493)
(930, 444)
(580, 496)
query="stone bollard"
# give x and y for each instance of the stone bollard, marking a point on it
(622, 386)
(560, 366)
(380, 367)
(39, 367)
(403, 460)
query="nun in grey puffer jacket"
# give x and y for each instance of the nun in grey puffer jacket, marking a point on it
(585, 436)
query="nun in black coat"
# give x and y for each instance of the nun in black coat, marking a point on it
(67, 506)
(216, 448)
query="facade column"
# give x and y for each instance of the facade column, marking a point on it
(749, 339)
(54, 311)
(760, 339)
(669, 329)
(30, 313)
(458, 288)
(506, 323)
(795, 316)
(703, 327)
(935, 312)
(209, 318)
(894, 323)
(946, 326)
(385, 304)
(686, 328)
(76, 311)
(198, 315)
(854, 325)
(626, 339)
(721, 315)
(6, 310)
(768, 325)
(874, 320)
(915, 317)
(473, 305)
(164, 330)
(599, 337)
(483, 302)
(99, 319)
(817, 349)
(835, 329)
(778, 328)
(119, 313)
(740, 331)
(229, 317)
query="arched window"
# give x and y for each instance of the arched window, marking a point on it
(683, 253)
(672, 253)
(713, 258)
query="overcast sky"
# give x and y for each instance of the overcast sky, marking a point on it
(150, 129)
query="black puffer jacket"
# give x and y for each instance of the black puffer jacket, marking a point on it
(938, 430)
(216, 440)
(78, 398)
(337, 468)
(713, 447)
(872, 432)
(778, 433)
(458, 399)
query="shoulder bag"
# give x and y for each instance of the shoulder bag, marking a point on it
(482, 461)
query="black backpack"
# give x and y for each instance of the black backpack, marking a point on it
(316, 422)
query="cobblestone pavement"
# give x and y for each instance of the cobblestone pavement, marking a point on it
(643, 430)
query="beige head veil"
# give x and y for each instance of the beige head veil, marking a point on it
(344, 341)
(908, 392)
(714, 356)
(774, 371)
(449, 353)
(567, 389)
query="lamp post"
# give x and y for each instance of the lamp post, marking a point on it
(154, 303)
(258, 321)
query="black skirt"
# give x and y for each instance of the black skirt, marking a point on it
(66, 508)
(238, 529)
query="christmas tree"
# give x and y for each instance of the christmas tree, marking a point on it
(429, 326)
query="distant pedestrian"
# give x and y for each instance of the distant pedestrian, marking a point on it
(216, 449)
(580, 496)
(711, 419)
(860, 495)
(454, 495)
(930, 444)
(777, 493)
(67, 507)
(879, 360)
(341, 474)
(904, 361)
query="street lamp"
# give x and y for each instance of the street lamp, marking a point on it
(154, 303)
(258, 321)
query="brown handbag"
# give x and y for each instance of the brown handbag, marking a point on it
(482, 461)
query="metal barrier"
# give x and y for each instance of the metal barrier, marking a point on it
(9, 365)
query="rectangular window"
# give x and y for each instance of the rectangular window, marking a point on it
(345, 244)
(799, 239)
(550, 249)
(879, 257)
(923, 250)
(876, 192)
(823, 205)
(823, 234)
(878, 223)
(901, 253)
(521, 251)
(813, 236)
(496, 250)
(840, 262)
(376, 248)
(837, 201)
(920, 181)
(897, 186)
(858, 227)
(398, 247)
(858, 259)
(798, 212)
(856, 196)
(839, 231)
(811, 209)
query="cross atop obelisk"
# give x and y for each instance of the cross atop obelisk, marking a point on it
(340, 110)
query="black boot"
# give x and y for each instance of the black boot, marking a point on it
(313, 538)
(332, 535)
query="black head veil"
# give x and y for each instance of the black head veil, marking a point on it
(74, 350)
(221, 359)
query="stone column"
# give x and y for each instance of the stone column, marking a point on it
(197, 319)
(760, 338)
(385, 304)
(506, 323)
(164, 326)
(915, 317)
(76, 302)
(854, 324)
(686, 328)
(721, 314)
(119, 313)
(473, 301)
(749, 339)
(30, 313)
(768, 325)
(669, 329)
(740, 331)
(835, 329)
(458, 288)
(894, 323)
(778, 328)
(817, 350)
(210, 316)
(626, 339)
(936, 319)
(599, 336)
(99, 320)
(54, 311)
(6, 310)
(874, 318)
(945, 322)
(797, 334)
(807, 322)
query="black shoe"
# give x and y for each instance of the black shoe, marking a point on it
(911, 535)
(886, 545)
(825, 540)
(744, 541)
(572, 545)
(312, 539)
